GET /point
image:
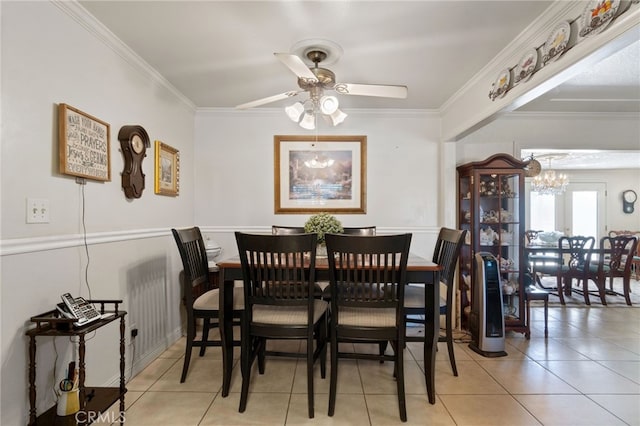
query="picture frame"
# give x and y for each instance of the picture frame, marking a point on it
(320, 174)
(84, 144)
(167, 170)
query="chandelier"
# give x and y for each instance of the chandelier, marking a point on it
(305, 113)
(549, 182)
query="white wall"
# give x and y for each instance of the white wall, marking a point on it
(235, 171)
(48, 57)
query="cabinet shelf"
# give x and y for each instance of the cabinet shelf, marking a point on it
(102, 399)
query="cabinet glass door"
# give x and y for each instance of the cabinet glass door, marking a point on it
(499, 213)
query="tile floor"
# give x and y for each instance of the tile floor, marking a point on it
(586, 373)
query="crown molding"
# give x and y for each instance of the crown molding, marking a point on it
(79, 14)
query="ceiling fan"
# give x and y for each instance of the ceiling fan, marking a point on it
(316, 80)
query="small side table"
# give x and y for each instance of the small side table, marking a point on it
(98, 399)
(533, 293)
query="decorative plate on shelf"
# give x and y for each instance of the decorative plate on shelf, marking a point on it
(502, 84)
(557, 42)
(597, 16)
(525, 68)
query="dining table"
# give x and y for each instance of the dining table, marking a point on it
(420, 271)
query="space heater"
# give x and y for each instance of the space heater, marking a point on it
(486, 320)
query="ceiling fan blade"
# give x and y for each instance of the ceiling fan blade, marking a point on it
(381, 90)
(295, 64)
(267, 100)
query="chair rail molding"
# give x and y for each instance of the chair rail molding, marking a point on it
(18, 246)
(56, 242)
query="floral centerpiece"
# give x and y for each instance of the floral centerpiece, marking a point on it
(323, 223)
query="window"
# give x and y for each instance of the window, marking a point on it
(543, 208)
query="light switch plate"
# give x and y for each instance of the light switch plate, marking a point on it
(37, 210)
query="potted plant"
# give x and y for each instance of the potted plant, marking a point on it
(323, 223)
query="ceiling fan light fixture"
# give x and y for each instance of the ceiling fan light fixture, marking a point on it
(328, 104)
(338, 117)
(294, 112)
(308, 121)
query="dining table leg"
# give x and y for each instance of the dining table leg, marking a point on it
(432, 332)
(226, 330)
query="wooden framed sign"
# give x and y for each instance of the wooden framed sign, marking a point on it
(84, 147)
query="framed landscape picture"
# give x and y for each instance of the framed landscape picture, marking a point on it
(320, 174)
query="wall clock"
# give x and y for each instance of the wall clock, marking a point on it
(532, 168)
(134, 142)
(629, 198)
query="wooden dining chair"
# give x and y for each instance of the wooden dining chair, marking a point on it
(279, 276)
(540, 263)
(578, 251)
(445, 254)
(367, 282)
(635, 262)
(359, 230)
(614, 259)
(286, 230)
(531, 235)
(205, 306)
(321, 288)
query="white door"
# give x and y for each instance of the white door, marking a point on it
(579, 211)
(584, 210)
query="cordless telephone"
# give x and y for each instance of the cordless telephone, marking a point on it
(78, 308)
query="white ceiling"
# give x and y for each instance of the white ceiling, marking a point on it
(613, 85)
(584, 159)
(220, 53)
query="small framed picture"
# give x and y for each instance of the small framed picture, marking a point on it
(167, 170)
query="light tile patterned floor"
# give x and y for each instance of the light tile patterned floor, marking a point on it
(586, 373)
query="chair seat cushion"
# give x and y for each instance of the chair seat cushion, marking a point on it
(288, 315)
(414, 297)
(367, 317)
(210, 301)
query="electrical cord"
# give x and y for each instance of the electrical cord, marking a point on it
(462, 336)
(133, 357)
(55, 363)
(86, 249)
(86, 245)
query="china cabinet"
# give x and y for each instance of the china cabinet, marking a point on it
(491, 209)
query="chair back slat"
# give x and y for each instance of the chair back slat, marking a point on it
(360, 230)
(286, 230)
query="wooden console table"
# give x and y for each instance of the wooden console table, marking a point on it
(94, 401)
